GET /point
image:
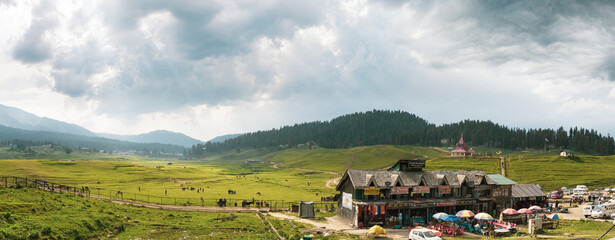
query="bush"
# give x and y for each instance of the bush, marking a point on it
(34, 235)
(46, 230)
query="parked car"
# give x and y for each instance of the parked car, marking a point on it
(587, 210)
(420, 234)
(557, 194)
(613, 216)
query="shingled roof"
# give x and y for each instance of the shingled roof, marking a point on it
(359, 178)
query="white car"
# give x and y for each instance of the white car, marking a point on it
(613, 216)
(419, 234)
(587, 210)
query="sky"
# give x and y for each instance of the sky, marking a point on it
(209, 68)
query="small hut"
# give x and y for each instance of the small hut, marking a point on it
(306, 209)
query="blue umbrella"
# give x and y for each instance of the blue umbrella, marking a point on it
(451, 218)
(556, 217)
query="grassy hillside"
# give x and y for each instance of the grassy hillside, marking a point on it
(29, 213)
(338, 160)
(544, 168)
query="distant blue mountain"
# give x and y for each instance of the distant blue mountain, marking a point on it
(17, 118)
(224, 137)
(159, 136)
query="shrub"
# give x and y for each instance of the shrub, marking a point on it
(46, 230)
(34, 235)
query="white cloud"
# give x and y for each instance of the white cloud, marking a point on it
(217, 67)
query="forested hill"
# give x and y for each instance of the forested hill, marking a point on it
(402, 128)
(357, 129)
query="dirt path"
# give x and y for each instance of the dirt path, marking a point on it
(332, 183)
(441, 150)
(276, 166)
(184, 208)
(332, 223)
(503, 166)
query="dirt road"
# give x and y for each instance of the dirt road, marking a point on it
(332, 183)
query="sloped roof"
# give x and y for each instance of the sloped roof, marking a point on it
(501, 180)
(527, 190)
(413, 178)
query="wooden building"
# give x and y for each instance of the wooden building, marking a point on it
(405, 194)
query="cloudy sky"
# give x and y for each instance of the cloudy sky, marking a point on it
(208, 68)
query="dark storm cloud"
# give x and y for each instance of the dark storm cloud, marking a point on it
(206, 29)
(608, 68)
(33, 48)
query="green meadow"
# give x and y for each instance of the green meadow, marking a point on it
(29, 213)
(301, 174)
(286, 175)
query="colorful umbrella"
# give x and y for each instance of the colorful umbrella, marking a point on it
(451, 218)
(524, 210)
(465, 214)
(510, 211)
(556, 217)
(439, 215)
(483, 216)
(535, 208)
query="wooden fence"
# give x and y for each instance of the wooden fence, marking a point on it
(87, 191)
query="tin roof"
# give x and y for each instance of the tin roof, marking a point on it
(363, 178)
(500, 180)
(527, 190)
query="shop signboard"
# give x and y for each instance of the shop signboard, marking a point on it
(444, 189)
(399, 190)
(416, 164)
(466, 202)
(371, 191)
(502, 191)
(347, 200)
(445, 203)
(421, 204)
(420, 189)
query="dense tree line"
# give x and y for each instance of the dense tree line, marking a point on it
(402, 128)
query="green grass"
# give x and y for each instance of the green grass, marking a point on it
(247, 179)
(338, 160)
(584, 228)
(28, 212)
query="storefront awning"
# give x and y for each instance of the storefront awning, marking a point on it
(369, 203)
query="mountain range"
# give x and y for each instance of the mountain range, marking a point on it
(16, 118)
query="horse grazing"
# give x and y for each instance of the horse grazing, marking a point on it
(232, 192)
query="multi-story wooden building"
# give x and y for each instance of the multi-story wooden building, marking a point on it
(406, 194)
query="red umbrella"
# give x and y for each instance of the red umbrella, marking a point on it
(524, 210)
(510, 211)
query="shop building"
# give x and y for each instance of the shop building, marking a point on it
(527, 195)
(502, 192)
(406, 194)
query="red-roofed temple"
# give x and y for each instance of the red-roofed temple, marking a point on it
(461, 149)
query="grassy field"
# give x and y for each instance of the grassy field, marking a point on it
(338, 160)
(29, 213)
(142, 177)
(297, 168)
